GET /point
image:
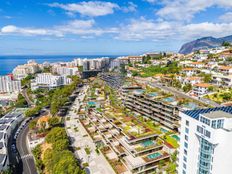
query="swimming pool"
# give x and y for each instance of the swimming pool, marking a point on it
(169, 99)
(176, 137)
(147, 143)
(152, 94)
(154, 155)
(191, 105)
(163, 130)
(91, 103)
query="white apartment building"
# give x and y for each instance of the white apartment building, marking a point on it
(7, 85)
(65, 70)
(205, 141)
(47, 80)
(21, 71)
(222, 80)
(201, 88)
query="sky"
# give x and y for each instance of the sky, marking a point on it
(110, 27)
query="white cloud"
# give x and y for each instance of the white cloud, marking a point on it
(11, 29)
(130, 8)
(184, 10)
(150, 1)
(76, 27)
(206, 29)
(90, 8)
(227, 17)
(142, 29)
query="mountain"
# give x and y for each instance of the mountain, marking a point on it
(202, 43)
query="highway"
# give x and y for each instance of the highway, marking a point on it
(28, 166)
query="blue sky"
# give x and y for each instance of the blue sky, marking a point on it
(112, 27)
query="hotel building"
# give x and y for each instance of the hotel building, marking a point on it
(205, 141)
(7, 85)
(47, 80)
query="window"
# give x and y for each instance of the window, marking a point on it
(185, 152)
(213, 125)
(185, 145)
(187, 122)
(199, 129)
(185, 159)
(184, 165)
(184, 172)
(220, 123)
(186, 137)
(205, 120)
(186, 130)
(207, 133)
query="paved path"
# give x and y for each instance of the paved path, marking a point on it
(97, 162)
(26, 157)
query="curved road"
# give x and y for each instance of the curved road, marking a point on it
(28, 166)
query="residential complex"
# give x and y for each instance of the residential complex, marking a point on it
(205, 141)
(153, 105)
(65, 70)
(8, 85)
(21, 71)
(47, 80)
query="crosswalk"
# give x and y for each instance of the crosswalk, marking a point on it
(27, 156)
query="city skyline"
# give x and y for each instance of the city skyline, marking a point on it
(129, 27)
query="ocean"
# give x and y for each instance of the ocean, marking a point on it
(8, 63)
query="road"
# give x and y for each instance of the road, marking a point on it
(24, 93)
(28, 166)
(183, 95)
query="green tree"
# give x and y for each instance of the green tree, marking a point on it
(21, 102)
(32, 124)
(226, 44)
(187, 87)
(56, 134)
(53, 121)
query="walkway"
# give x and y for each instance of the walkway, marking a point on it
(81, 140)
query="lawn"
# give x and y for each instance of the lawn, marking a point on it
(171, 141)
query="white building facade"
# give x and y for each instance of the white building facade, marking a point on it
(47, 80)
(205, 141)
(7, 85)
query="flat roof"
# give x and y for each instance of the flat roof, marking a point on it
(195, 113)
(218, 114)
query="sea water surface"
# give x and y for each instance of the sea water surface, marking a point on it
(8, 63)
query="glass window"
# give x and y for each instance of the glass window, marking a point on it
(186, 130)
(185, 159)
(185, 145)
(185, 152)
(214, 124)
(220, 123)
(207, 133)
(184, 172)
(199, 129)
(184, 165)
(186, 137)
(187, 122)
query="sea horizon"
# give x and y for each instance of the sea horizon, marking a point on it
(9, 62)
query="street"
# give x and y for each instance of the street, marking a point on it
(28, 166)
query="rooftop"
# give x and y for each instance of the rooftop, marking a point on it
(218, 114)
(195, 113)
